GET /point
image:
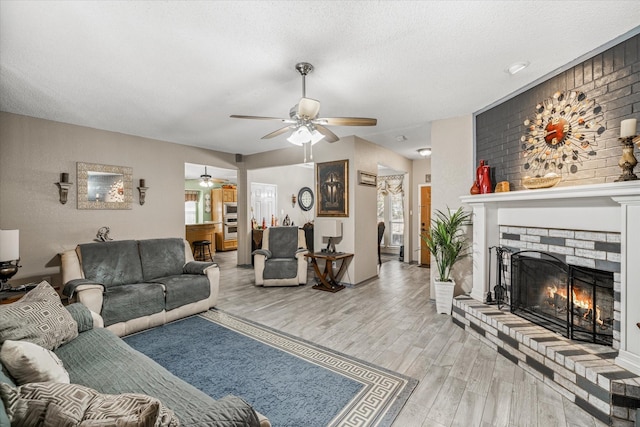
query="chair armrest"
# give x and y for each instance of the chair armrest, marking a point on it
(264, 252)
(86, 292)
(197, 267)
(300, 253)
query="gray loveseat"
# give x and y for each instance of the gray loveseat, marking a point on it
(139, 284)
(100, 360)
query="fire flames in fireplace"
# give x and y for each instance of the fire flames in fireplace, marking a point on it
(582, 305)
(577, 302)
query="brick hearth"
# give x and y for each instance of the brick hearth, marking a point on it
(586, 374)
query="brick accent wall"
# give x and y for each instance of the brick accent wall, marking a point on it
(611, 78)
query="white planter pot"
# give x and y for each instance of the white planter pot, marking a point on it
(444, 296)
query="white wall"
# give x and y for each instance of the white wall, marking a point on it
(452, 172)
(289, 179)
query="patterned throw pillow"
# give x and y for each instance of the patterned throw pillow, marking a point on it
(30, 363)
(38, 317)
(58, 404)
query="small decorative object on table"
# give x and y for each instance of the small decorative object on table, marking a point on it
(547, 181)
(628, 160)
(103, 234)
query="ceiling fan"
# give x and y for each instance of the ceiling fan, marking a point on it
(304, 121)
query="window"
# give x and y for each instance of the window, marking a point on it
(264, 202)
(396, 219)
(190, 212)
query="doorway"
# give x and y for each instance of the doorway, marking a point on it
(425, 220)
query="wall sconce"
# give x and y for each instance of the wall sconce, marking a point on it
(294, 199)
(142, 189)
(63, 187)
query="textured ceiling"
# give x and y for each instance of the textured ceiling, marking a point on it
(175, 71)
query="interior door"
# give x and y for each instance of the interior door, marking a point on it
(425, 220)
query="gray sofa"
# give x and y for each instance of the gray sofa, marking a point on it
(139, 284)
(100, 360)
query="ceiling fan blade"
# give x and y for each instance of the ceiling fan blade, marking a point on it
(346, 121)
(328, 135)
(276, 133)
(236, 116)
(308, 108)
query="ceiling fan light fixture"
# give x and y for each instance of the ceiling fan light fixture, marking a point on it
(302, 135)
(425, 152)
(205, 179)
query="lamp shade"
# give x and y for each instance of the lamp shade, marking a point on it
(330, 228)
(9, 245)
(302, 135)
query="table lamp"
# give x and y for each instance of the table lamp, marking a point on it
(9, 255)
(330, 229)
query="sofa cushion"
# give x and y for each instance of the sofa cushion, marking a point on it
(161, 257)
(38, 317)
(55, 404)
(111, 263)
(29, 363)
(283, 242)
(184, 289)
(280, 268)
(125, 302)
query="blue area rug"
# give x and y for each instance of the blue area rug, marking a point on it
(291, 381)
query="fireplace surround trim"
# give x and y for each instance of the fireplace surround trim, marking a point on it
(611, 207)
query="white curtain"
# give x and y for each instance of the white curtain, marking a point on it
(391, 184)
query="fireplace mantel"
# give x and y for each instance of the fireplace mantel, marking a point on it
(611, 207)
(601, 194)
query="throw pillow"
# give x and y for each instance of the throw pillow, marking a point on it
(30, 363)
(38, 317)
(72, 404)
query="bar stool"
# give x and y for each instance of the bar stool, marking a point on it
(202, 250)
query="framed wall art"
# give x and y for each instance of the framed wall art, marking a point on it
(104, 186)
(367, 178)
(332, 189)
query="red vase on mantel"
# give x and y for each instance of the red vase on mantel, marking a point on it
(483, 177)
(474, 188)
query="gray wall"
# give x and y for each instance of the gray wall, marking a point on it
(611, 78)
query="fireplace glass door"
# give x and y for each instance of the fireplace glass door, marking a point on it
(576, 302)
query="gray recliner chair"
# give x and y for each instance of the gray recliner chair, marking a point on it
(281, 260)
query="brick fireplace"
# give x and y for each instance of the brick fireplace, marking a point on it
(595, 230)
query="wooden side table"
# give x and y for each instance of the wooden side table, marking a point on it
(7, 297)
(327, 279)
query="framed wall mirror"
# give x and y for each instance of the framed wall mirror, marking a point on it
(104, 186)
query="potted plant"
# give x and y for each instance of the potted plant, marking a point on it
(447, 242)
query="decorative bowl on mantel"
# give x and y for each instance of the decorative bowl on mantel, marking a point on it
(547, 181)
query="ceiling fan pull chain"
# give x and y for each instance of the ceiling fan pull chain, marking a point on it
(310, 150)
(304, 146)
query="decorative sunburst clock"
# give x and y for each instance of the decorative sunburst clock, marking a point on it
(562, 133)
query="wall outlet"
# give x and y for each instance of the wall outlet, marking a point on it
(334, 264)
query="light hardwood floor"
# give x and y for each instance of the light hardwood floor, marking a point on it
(391, 322)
